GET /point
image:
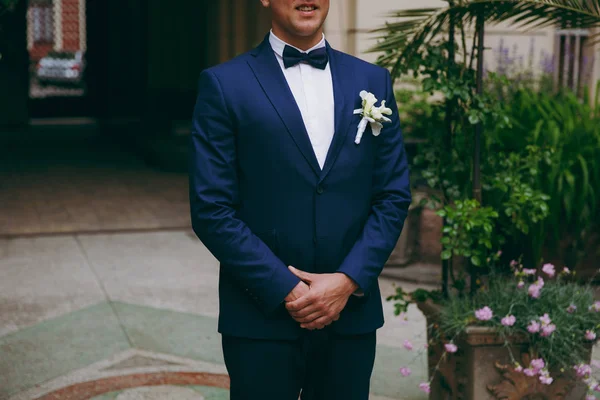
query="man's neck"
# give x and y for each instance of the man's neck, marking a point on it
(301, 42)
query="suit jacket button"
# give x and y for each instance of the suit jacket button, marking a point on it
(320, 189)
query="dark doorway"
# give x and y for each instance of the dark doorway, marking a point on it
(13, 64)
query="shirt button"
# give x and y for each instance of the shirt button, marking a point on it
(320, 189)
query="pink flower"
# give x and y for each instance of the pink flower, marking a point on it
(548, 329)
(499, 253)
(589, 335)
(549, 270)
(521, 284)
(571, 309)
(529, 372)
(535, 288)
(533, 327)
(424, 386)
(513, 263)
(537, 364)
(509, 320)
(566, 270)
(484, 314)
(595, 306)
(590, 397)
(545, 319)
(408, 345)
(405, 371)
(403, 318)
(545, 379)
(527, 271)
(519, 368)
(450, 347)
(583, 370)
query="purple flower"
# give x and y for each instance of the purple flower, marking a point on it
(590, 335)
(405, 371)
(545, 319)
(595, 307)
(403, 318)
(548, 329)
(484, 314)
(535, 288)
(519, 368)
(571, 309)
(529, 372)
(527, 271)
(583, 370)
(509, 320)
(533, 327)
(549, 270)
(534, 291)
(521, 284)
(545, 379)
(424, 386)
(408, 345)
(450, 347)
(537, 364)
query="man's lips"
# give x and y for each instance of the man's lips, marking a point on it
(307, 8)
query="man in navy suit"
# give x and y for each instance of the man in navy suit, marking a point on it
(300, 213)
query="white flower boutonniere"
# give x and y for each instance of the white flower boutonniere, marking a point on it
(371, 114)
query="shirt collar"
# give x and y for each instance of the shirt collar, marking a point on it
(278, 45)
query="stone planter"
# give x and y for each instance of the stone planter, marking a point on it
(481, 369)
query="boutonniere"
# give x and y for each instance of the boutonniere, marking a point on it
(371, 115)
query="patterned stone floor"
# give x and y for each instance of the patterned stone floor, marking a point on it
(133, 316)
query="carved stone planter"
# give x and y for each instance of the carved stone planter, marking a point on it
(482, 370)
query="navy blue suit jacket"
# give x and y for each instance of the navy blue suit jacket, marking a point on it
(260, 201)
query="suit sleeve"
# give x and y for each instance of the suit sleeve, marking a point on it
(389, 205)
(214, 198)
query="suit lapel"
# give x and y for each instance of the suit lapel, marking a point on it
(270, 76)
(344, 98)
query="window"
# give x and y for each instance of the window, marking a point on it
(42, 20)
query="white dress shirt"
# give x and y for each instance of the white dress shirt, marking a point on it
(313, 91)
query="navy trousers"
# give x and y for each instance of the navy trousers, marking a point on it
(321, 365)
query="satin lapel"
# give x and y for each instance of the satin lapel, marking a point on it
(344, 96)
(270, 76)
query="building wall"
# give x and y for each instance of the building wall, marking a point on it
(350, 22)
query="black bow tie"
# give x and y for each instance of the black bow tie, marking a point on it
(317, 58)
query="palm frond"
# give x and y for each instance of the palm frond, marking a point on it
(416, 27)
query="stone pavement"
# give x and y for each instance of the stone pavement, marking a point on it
(133, 316)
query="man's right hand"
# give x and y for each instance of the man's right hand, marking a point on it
(300, 290)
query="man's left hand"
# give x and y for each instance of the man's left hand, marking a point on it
(325, 300)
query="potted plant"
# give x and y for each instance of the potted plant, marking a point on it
(499, 327)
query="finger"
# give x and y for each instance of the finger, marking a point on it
(301, 303)
(311, 308)
(336, 317)
(319, 323)
(305, 276)
(308, 318)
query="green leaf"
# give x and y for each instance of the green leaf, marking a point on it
(446, 254)
(476, 261)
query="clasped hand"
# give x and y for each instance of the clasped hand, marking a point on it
(319, 299)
